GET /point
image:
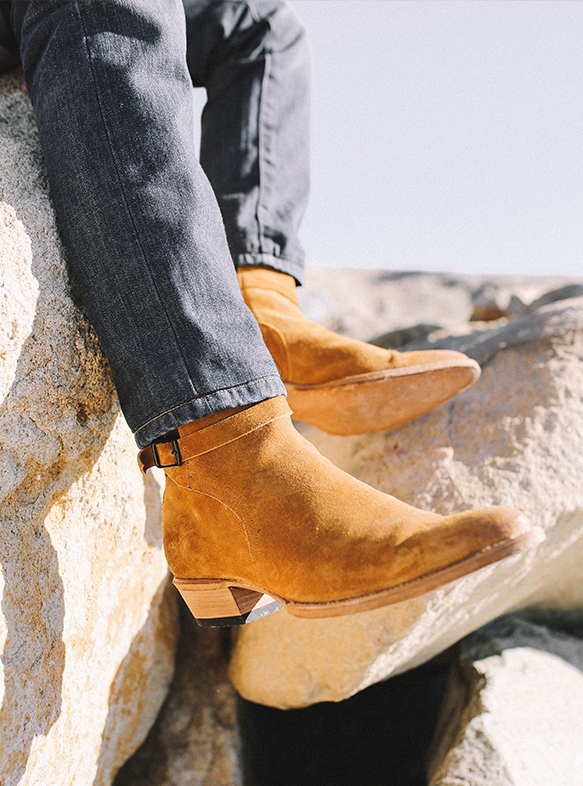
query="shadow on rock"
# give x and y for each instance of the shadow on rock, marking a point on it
(380, 735)
(134, 678)
(195, 738)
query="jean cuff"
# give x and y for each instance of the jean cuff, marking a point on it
(247, 393)
(295, 269)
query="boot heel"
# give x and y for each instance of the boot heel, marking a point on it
(215, 605)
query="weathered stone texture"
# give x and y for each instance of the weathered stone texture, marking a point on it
(195, 741)
(515, 438)
(367, 303)
(513, 713)
(87, 621)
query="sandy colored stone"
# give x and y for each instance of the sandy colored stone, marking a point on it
(513, 712)
(87, 620)
(195, 740)
(365, 304)
(515, 438)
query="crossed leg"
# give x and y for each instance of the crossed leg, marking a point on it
(254, 517)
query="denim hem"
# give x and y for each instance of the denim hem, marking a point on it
(295, 269)
(247, 393)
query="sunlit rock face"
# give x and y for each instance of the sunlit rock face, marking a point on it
(512, 715)
(515, 438)
(87, 619)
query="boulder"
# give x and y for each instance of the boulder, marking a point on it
(513, 716)
(365, 304)
(195, 740)
(515, 438)
(566, 292)
(87, 622)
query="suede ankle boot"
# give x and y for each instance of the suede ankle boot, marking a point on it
(341, 385)
(255, 519)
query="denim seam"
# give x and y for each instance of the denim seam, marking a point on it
(260, 138)
(261, 147)
(122, 190)
(260, 229)
(207, 395)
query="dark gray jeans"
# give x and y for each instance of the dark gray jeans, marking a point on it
(111, 84)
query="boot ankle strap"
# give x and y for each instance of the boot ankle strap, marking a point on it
(175, 452)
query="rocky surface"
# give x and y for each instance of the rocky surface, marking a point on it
(379, 736)
(512, 716)
(383, 732)
(369, 304)
(87, 620)
(195, 741)
(205, 736)
(87, 623)
(515, 438)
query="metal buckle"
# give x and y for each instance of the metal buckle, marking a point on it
(175, 452)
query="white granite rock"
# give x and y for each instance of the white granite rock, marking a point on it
(513, 715)
(515, 438)
(195, 740)
(87, 622)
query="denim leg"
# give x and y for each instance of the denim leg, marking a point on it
(113, 101)
(252, 57)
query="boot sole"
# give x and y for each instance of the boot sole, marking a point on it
(224, 603)
(380, 400)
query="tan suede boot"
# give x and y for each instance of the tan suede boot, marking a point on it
(256, 519)
(340, 385)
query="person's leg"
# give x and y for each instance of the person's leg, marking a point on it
(113, 101)
(250, 509)
(252, 58)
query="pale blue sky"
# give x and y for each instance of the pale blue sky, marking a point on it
(446, 135)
